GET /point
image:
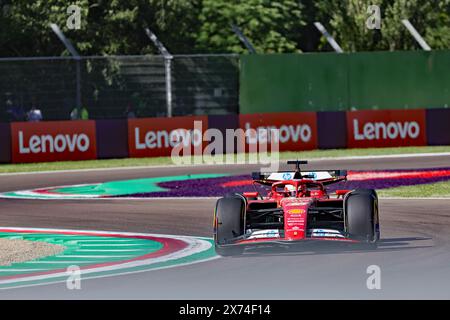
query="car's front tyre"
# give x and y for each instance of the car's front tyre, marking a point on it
(361, 216)
(229, 223)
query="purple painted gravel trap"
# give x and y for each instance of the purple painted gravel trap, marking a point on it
(212, 187)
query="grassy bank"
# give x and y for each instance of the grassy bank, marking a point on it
(439, 189)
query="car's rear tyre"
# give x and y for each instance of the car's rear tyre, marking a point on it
(361, 216)
(229, 223)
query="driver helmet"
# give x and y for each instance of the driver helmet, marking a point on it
(290, 189)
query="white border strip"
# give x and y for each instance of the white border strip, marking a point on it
(414, 198)
(367, 157)
(31, 197)
(195, 245)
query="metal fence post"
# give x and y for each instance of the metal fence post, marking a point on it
(168, 68)
(416, 35)
(243, 38)
(77, 58)
(78, 86)
(328, 36)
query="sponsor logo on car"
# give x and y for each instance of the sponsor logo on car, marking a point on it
(287, 176)
(296, 211)
(258, 234)
(329, 233)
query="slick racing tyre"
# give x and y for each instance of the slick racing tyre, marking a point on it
(229, 222)
(361, 216)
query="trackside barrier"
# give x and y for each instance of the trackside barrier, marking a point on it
(297, 130)
(53, 141)
(332, 130)
(112, 138)
(386, 128)
(5, 143)
(329, 81)
(155, 137)
(222, 123)
(438, 126)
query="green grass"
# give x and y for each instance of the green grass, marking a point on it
(131, 162)
(438, 189)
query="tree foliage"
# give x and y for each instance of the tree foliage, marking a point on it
(107, 26)
(347, 22)
(271, 26)
(203, 26)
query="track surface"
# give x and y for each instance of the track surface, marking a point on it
(414, 254)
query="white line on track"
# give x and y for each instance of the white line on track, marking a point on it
(61, 262)
(415, 198)
(388, 156)
(94, 256)
(110, 250)
(195, 245)
(188, 198)
(21, 270)
(113, 275)
(2, 196)
(106, 240)
(115, 245)
(215, 198)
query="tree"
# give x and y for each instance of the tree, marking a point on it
(25, 27)
(115, 27)
(107, 27)
(430, 18)
(271, 26)
(347, 22)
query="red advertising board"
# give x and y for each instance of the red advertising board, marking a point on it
(53, 141)
(296, 130)
(386, 128)
(156, 137)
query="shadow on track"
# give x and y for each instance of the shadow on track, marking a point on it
(383, 245)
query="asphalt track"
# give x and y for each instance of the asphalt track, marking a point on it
(413, 255)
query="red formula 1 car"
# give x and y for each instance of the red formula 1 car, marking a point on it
(296, 209)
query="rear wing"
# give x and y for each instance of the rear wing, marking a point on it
(323, 176)
(316, 175)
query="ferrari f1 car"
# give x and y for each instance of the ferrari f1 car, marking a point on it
(296, 209)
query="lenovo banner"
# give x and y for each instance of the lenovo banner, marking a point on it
(386, 128)
(156, 137)
(295, 130)
(53, 141)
